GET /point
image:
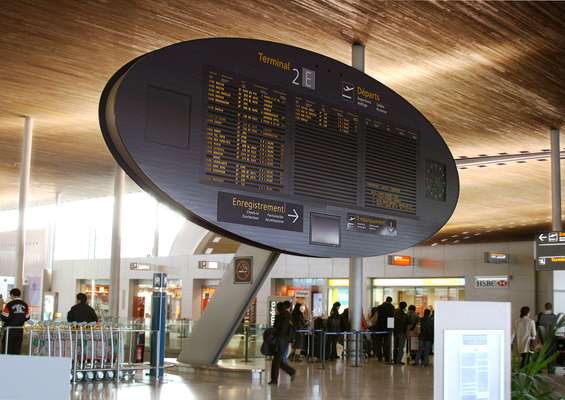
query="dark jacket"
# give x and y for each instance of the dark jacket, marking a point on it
(427, 329)
(15, 313)
(82, 313)
(385, 310)
(298, 320)
(400, 321)
(334, 323)
(282, 326)
(413, 320)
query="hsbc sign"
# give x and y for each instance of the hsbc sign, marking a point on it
(492, 282)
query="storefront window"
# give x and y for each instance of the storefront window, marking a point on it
(98, 292)
(143, 292)
(421, 297)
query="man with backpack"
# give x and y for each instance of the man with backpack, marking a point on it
(282, 337)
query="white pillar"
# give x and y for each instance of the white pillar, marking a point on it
(555, 181)
(115, 257)
(155, 252)
(24, 187)
(544, 279)
(356, 263)
(53, 233)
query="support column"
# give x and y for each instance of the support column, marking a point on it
(53, 234)
(356, 263)
(115, 257)
(25, 167)
(555, 181)
(155, 252)
(544, 279)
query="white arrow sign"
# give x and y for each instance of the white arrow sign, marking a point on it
(542, 237)
(294, 215)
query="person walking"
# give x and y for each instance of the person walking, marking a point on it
(400, 330)
(14, 315)
(81, 311)
(282, 338)
(426, 339)
(525, 334)
(384, 312)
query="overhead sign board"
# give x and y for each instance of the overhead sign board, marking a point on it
(492, 257)
(400, 261)
(279, 147)
(549, 250)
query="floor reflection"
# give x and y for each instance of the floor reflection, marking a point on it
(336, 381)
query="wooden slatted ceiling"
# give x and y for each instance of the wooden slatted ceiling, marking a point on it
(489, 76)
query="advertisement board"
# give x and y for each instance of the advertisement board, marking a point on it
(473, 364)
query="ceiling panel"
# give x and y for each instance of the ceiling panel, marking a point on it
(489, 76)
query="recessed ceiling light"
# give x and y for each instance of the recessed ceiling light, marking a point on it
(209, 250)
(434, 244)
(456, 241)
(217, 239)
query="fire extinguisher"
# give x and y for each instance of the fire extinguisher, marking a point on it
(140, 347)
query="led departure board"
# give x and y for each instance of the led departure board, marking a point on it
(279, 147)
(245, 133)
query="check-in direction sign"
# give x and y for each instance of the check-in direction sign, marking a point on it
(248, 210)
(550, 250)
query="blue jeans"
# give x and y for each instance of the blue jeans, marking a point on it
(424, 354)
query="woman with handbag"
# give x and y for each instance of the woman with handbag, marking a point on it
(525, 333)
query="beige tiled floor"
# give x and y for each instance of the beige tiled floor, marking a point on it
(372, 381)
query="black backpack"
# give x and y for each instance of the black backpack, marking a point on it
(269, 346)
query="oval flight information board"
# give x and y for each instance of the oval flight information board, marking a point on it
(279, 147)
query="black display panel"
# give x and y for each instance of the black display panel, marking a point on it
(254, 140)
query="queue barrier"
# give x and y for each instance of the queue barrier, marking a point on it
(97, 351)
(322, 335)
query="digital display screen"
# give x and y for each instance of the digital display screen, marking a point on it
(248, 134)
(324, 229)
(245, 133)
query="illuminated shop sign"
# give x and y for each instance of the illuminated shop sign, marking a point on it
(134, 266)
(492, 282)
(419, 282)
(492, 257)
(400, 261)
(202, 264)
